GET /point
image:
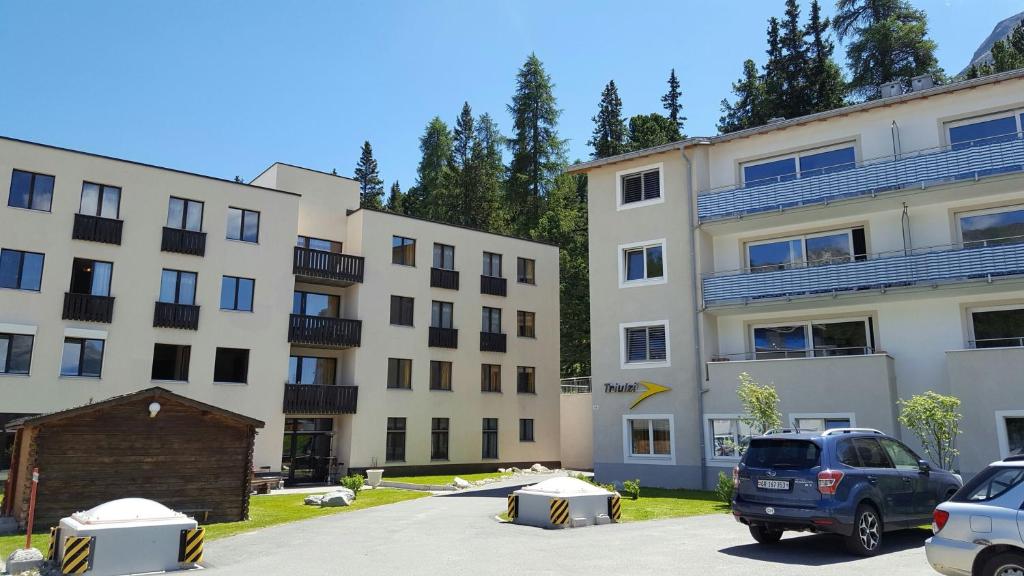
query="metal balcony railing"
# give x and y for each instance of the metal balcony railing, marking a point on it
(319, 399)
(786, 353)
(932, 265)
(320, 265)
(579, 385)
(1007, 342)
(97, 229)
(919, 168)
(323, 331)
(88, 308)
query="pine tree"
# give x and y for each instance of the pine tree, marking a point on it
(488, 174)
(459, 197)
(609, 137)
(792, 65)
(396, 200)
(824, 78)
(749, 109)
(670, 102)
(371, 187)
(426, 198)
(773, 78)
(649, 130)
(1008, 53)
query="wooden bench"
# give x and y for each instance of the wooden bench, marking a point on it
(264, 484)
(200, 514)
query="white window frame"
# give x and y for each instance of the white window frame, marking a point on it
(623, 346)
(627, 445)
(957, 216)
(1015, 113)
(645, 281)
(796, 156)
(970, 310)
(793, 417)
(803, 243)
(709, 449)
(807, 324)
(619, 205)
(1001, 435)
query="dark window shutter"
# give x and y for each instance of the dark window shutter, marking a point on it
(656, 342)
(636, 344)
(632, 189)
(652, 185)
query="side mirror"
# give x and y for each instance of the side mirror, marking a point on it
(924, 466)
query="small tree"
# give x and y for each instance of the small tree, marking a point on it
(760, 404)
(934, 419)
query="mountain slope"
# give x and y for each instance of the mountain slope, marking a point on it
(1002, 30)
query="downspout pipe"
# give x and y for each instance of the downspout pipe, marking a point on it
(698, 373)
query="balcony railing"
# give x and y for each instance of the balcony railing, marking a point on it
(493, 285)
(1007, 342)
(933, 265)
(492, 342)
(97, 229)
(324, 332)
(321, 266)
(442, 278)
(965, 160)
(787, 353)
(443, 337)
(319, 399)
(88, 308)
(182, 316)
(579, 385)
(183, 241)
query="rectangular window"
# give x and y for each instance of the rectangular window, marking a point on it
(400, 373)
(90, 277)
(231, 365)
(441, 314)
(991, 227)
(490, 438)
(395, 449)
(15, 353)
(802, 165)
(30, 190)
(997, 328)
(440, 375)
(643, 263)
(243, 225)
(100, 200)
(821, 249)
(814, 338)
(526, 380)
(729, 437)
(641, 186)
(526, 271)
(21, 270)
(646, 344)
(526, 429)
(526, 322)
(316, 304)
(490, 378)
(649, 437)
(444, 256)
(816, 424)
(178, 287)
(491, 320)
(401, 310)
(236, 293)
(403, 251)
(185, 214)
(769, 172)
(170, 362)
(1014, 436)
(319, 244)
(311, 370)
(82, 357)
(492, 265)
(439, 428)
(983, 132)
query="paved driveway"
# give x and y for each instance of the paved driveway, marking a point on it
(457, 534)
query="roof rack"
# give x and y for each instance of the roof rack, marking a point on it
(1015, 458)
(834, 431)
(774, 431)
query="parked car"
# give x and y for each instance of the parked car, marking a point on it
(978, 532)
(855, 482)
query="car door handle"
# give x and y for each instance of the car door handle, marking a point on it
(873, 479)
(907, 480)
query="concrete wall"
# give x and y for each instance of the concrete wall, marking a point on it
(577, 431)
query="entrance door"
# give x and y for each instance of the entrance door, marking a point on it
(306, 455)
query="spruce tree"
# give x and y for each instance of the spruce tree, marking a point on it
(609, 137)
(396, 200)
(371, 187)
(749, 108)
(649, 130)
(488, 175)
(670, 101)
(427, 198)
(792, 65)
(824, 79)
(774, 78)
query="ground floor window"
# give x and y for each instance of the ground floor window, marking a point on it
(439, 438)
(648, 436)
(816, 423)
(306, 455)
(729, 437)
(1010, 431)
(490, 438)
(395, 449)
(526, 429)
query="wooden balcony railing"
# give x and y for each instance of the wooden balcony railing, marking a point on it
(319, 399)
(492, 342)
(324, 332)
(442, 278)
(97, 229)
(330, 267)
(183, 241)
(493, 285)
(182, 316)
(88, 308)
(443, 337)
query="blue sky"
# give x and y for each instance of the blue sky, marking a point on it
(227, 87)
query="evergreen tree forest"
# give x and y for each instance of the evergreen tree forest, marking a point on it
(1007, 54)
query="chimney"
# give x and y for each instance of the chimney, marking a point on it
(922, 82)
(890, 89)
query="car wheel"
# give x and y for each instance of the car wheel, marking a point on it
(765, 535)
(866, 539)
(1006, 564)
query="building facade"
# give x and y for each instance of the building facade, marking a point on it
(282, 300)
(850, 258)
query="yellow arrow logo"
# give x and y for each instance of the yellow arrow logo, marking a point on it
(651, 390)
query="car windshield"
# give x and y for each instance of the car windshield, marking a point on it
(778, 453)
(991, 483)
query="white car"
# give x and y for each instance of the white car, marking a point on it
(980, 530)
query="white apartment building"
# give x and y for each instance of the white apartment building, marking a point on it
(281, 299)
(851, 258)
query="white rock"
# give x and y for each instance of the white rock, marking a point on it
(501, 470)
(538, 468)
(460, 483)
(313, 500)
(339, 497)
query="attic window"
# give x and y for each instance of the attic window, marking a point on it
(641, 186)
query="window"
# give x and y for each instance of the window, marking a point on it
(21, 270)
(439, 438)
(526, 322)
(901, 456)
(975, 132)
(100, 200)
(90, 277)
(492, 265)
(648, 437)
(319, 244)
(403, 251)
(645, 344)
(236, 293)
(863, 453)
(526, 380)
(801, 165)
(822, 423)
(991, 227)
(526, 271)
(243, 225)
(82, 357)
(231, 366)
(395, 448)
(31, 190)
(819, 249)
(315, 304)
(643, 185)
(490, 378)
(440, 375)
(441, 314)
(400, 373)
(170, 362)
(851, 337)
(401, 311)
(444, 256)
(1010, 432)
(490, 438)
(642, 263)
(491, 320)
(185, 214)
(15, 353)
(177, 287)
(526, 429)
(991, 483)
(311, 370)
(729, 437)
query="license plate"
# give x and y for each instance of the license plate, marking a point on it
(773, 484)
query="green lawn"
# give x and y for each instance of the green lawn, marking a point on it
(658, 503)
(443, 480)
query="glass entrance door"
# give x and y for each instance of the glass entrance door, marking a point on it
(306, 455)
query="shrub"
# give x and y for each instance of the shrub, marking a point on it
(724, 488)
(935, 420)
(590, 480)
(353, 483)
(631, 488)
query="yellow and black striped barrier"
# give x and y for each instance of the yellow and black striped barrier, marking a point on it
(559, 511)
(615, 507)
(513, 506)
(77, 555)
(51, 550)
(191, 550)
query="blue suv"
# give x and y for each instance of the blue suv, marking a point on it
(855, 482)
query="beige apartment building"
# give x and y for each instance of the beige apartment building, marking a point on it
(361, 338)
(851, 258)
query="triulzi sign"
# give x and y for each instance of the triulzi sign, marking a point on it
(645, 388)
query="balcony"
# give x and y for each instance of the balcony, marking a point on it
(316, 399)
(97, 229)
(330, 268)
(492, 342)
(88, 308)
(324, 332)
(918, 169)
(181, 316)
(442, 278)
(934, 265)
(443, 337)
(493, 285)
(183, 241)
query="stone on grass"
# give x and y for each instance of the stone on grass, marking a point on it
(24, 561)
(460, 483)
(313, 500)
(539, 468)
(339, 497)
(501, 470)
